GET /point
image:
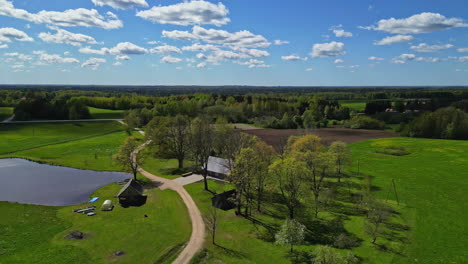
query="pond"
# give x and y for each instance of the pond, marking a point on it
(28, 182)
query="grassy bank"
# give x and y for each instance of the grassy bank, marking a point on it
(99, 113)
(5, 112)
(36, 234)
(431, 180)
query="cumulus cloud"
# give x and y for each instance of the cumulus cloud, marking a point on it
(8, 34)
(93, 63)
(68, 18)
(339, 61)
(122, 57)
(331, 49)
(19, 56)
(416, 24)
(188, 13)
(121, 4)
(404, 58)
(373, 58)
(428, 59)
(463, 59)
(170, 60)
(4, 46)
(65, 37)
(123, 48)
(348, 66)
(309, 69)
(45, 58)
(280, 42)
(117, 63)
(339, 32)
(165, 49)
(201, 65)
(293, 57)
(242, 38)
(394, 39)
(423, 47)
(462, 49)
(200, 48)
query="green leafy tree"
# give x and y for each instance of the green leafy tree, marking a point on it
(128, 157)
(328, 255)
(201, 145)
(292, 233)
(341, 155)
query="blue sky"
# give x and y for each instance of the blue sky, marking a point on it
(234, 42)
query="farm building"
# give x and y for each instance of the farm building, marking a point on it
(131, 194)
(224, 201)
(218, 167)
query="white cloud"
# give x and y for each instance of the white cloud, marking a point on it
(242, 38)
(248, 53)
(404, 58)
(66, 37)
(309, 69)
(165, 49)
(293, 57)
(428, 59)
(259, 66)
(170, 59)
(339, 61)
(331, 49)
(117, 63)
(280, 42)
(203, 48)
(123, 48)
(68, 18)
(19, 56)
(373, 58)
(394, 39)
(45, 58)
(93, 63)
(4, 46)
(122, 57)
(201, 56)
(462, 49)
(201, 65)
(188, 13)
(463, 59)
(121, 4)
(348, 66)
(423, 47)
(339, 32)
(8, 33)
(416, 24)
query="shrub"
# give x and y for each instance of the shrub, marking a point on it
(364, 122)
(344, 241)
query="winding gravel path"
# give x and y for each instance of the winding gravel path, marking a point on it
(197, 239)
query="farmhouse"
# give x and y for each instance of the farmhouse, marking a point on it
(131, 194)
(218, 167)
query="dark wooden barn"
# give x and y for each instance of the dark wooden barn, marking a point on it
(131, 194)
(224, 201)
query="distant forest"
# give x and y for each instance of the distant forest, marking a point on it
(435, 112)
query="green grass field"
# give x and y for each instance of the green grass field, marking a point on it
(5, 112)
(36, 234)
(432, 182)
(166, 168)
(99, 113)
(358, 106)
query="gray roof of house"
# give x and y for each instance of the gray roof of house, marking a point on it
(134, 186)
(218, 165)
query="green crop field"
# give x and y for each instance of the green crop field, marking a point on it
(5, 112)
(36, 234)
(432, 182)
(354, 105)
(20, 137)
(99, 113)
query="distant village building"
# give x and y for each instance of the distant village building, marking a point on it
(131, 194)
(218, 167)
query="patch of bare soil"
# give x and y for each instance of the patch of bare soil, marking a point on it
(275, 137)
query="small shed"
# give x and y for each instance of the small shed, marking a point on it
(131, 194)
(218, 167)
(107, 205)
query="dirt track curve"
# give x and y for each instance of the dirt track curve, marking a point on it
(197, 238)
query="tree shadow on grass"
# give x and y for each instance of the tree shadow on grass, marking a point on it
(231, 252)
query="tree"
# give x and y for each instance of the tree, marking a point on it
(201, 145)
(265, 155)
(327, 255)
(289, 174)
(172, 135)
(211, 220)
(377, 215)
(342, 156)
(292, 233)
(128, 157)
(242, 176)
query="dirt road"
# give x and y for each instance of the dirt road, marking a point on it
(197, 239)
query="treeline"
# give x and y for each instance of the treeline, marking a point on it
(58, 108)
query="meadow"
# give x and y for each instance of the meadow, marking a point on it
(100, 113)
(36, 234)
(432, 182)
(5, 112)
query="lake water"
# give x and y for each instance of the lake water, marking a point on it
(29, 182)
